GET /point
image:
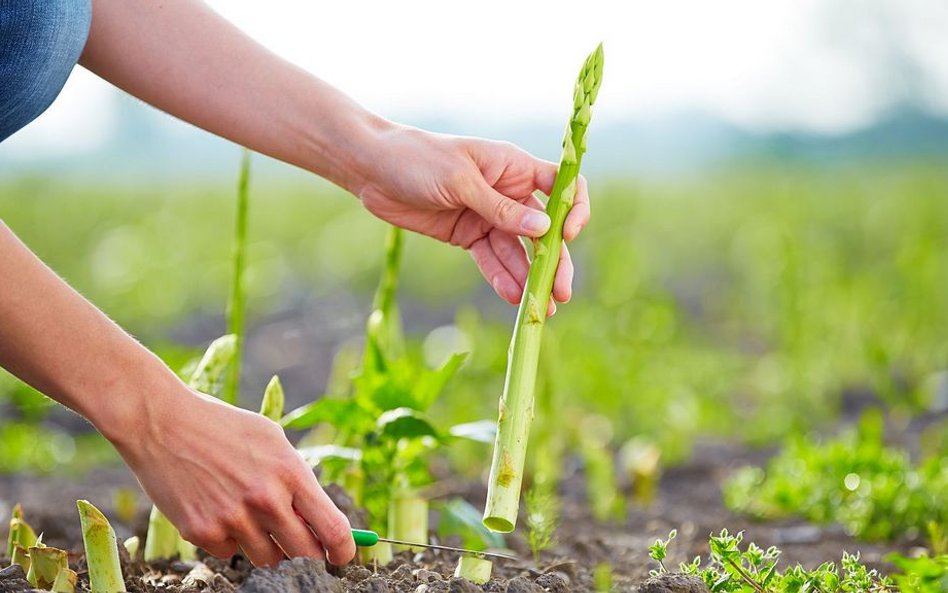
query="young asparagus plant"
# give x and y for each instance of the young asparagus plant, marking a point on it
(21, 534)
(163, 539)
(516, 403)
(102, 555)
(45, 565)
(235, 304)
(273, 400)
(383, 438)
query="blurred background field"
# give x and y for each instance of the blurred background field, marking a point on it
(747, 302)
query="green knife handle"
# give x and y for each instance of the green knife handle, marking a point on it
(365, 538)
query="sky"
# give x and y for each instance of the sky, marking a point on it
(828, 66)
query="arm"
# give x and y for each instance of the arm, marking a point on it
(223, 475)
(183, 58)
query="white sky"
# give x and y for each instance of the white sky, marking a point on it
(829, 66)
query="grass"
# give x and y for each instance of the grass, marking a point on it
(740, 304)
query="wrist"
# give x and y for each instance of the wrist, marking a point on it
(137, 401)
(346, 148)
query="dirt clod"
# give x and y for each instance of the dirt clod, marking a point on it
(673, 583)
(426, 576)
(402, 573)
(12, 578)
(374, 585)
(357, 573)
(554, 582)
(522, 585)
(300, 575)
(458, 585)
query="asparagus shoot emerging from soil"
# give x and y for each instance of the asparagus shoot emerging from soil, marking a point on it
(21, 534)
(65, 581)
(408, 519)
(45, 566)
(161, 541)
(273, 398)
(476, 570)
(235, 304)
(516, 403)
(102, 555)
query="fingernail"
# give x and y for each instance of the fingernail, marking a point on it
(535, 222)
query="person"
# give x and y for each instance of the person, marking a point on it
(226, 477)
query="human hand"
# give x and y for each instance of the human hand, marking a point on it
(227, 477)
(474, 193)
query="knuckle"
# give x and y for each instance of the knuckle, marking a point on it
(202, 534)
(262, 499)
(336, 531)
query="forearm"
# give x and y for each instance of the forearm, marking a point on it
(55, 340)
(182, 57)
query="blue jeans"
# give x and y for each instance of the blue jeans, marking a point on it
(40, 43)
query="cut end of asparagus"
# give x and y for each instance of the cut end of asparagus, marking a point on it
(498, 524)
(476, 570)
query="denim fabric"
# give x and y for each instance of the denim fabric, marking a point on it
(40, 43)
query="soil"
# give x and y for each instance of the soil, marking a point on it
(688, 500)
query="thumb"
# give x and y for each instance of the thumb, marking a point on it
(506, 213)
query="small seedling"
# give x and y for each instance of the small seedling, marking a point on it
(543, 510)
(659, 551)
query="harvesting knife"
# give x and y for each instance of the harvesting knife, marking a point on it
(366, 539)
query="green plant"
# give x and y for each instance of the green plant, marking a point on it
(924, 574)
(543, 517)
(659, 551)
(383, 438)
(875, 491)
(732, 567)
(516, 403)
(235, 303)
(273, 400)
(102, 555)
(477, 570)
(45, 565)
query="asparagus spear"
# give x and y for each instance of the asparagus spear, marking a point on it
(102, 556)
(273, 398)
(516, 403)
(235, 302)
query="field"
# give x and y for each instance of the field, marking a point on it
(793, 312)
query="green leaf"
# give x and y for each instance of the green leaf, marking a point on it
(482, 431)
(319, 453)
(341, 413)
(430, 384)
(405, 423)
(459, 518)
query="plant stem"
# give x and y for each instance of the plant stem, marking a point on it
(65, 581)
(235, 305)
(516, 403)
(161, 541)
(45, 565)
(383, 328)
(476, 570)
(102, 556)
(408, 519)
